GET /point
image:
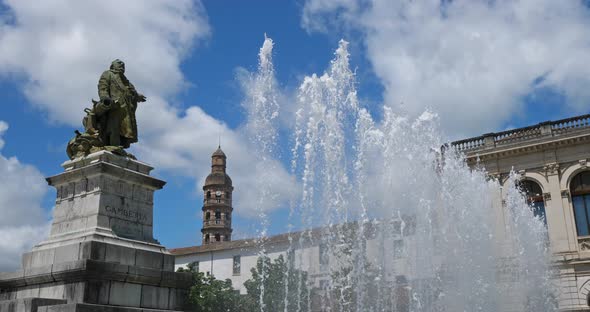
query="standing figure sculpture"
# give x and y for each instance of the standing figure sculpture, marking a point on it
(110, 124)
(118, 99)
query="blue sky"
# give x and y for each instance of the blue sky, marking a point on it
(483, 66)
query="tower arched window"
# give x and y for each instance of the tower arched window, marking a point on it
(217, 237)
(207, 215)
(208, 194)
(217, 215)
(580, 191)
(207, 239)
(534, 196)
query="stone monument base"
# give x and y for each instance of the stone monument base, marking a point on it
(100, 254)
(83, 307)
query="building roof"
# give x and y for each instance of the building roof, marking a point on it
(243, 243)
(218, 178)
(313, 237)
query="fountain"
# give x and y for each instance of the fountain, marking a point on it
(405, 224)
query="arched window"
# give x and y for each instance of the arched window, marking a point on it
(217, 215)
(217, 237)
(206, 238)
(208, 194)
(580, 191)
(207, 215)
(534, 196)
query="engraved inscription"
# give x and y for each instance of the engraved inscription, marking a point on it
(127, 213)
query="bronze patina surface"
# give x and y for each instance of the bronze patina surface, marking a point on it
(110, 124)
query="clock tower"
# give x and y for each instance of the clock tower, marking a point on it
(217, 202)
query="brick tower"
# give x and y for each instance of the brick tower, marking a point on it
(217, 207)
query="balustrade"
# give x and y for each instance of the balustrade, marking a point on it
(550, 128)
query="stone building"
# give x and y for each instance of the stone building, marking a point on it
(553, 159)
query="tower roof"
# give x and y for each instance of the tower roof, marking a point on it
(218, 153)
(218, 178)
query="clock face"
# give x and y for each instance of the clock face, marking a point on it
(218, 193)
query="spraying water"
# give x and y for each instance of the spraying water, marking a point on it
(407, 225)
(261, 104)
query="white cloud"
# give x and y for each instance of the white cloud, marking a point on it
(184, 144)
(23, 221)
(470, 60)
(62, 47)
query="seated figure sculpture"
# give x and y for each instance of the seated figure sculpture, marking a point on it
(110, 124)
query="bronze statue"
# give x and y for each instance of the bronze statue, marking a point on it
(110, 124)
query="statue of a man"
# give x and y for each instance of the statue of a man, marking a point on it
(115, 113)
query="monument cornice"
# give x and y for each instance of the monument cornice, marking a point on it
(112, 170)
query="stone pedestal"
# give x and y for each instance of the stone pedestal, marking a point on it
(100, 254)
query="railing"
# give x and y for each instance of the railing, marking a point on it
(211, 201)
(544, 129)
(469, 144)
(217, 222)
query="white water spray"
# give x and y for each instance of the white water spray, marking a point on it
(408, 226)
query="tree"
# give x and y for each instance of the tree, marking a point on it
(208, 294)
(276, 284)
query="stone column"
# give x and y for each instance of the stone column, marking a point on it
(100, 254)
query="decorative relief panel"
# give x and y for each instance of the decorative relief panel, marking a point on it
(80, 186)
(584, 244)
(565, 193)
(70, 190)
(93, 184)
(546, 196)
(551, 169)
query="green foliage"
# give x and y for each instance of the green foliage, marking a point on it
(275, 284)
(208, 294)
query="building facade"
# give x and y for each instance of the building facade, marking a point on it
(553, 159)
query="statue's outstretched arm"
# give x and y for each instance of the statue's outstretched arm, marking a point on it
(140, 97)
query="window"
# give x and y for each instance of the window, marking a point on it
(208, 194)
(217, 237)
(324, 257)
(237, 265)
(207, 238)
(193, 266)
(580, 191)
(207, 215)
(534, 195)
(217, 215)
(291, 258)
(398, 248)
